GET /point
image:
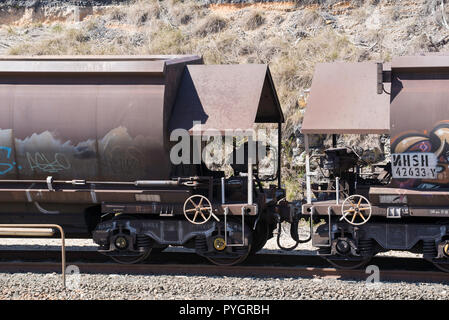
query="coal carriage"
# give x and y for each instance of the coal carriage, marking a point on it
(88, 143)
(402, 204)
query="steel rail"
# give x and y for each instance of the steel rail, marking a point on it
(260, 265)
(240, 270)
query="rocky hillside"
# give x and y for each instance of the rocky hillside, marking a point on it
(290, 36)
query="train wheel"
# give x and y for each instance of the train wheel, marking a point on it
(260, 237)
(228, 260)
(348, 264)
(443, 266)
(132, 259)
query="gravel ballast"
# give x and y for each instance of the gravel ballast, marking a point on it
(114, 286)
(49, 286)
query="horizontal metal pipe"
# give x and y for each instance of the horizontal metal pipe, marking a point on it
(79, 182)
(36, 232)
(144, 183)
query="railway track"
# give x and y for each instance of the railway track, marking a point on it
(184, 263)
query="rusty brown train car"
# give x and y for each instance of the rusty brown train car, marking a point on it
(403, 203)
(88, 143)
(85, 144)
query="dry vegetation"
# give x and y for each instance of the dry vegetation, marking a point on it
(290, 41)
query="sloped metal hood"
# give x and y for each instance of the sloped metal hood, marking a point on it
(225, 97)
(343, 99)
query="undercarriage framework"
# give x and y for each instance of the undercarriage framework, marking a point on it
(112, 149)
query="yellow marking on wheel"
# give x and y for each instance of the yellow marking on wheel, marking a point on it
(219, 244)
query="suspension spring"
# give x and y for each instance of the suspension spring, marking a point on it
(366, 247)
(429, 249)
(201, 244)
(143, 240)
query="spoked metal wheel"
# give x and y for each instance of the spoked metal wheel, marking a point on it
(230, 261)
(132, 259)
(348, 264)
(198, 209)
(356, 210)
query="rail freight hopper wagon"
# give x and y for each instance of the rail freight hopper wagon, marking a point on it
(85, 143)
(399, 205)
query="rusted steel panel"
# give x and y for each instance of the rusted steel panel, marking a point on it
(344, 99)
(91, 196)
(102, 132)
(173, 207)
(174, 57)
(87, 126)
(89, 64)
(174, 70)
(398, 196)
(82, 66)
(420, 121)
(134, 147)
(321, 209)
(224, 97)
(438, 60)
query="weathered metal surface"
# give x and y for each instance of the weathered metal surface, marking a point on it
(89, 64)
(173, 206)
(63, 117)
(344, 99)
(321, 209)
(420, 121)
(57, 66)
(430, 60)
(398, 196)
(225, 97)
(90, 196)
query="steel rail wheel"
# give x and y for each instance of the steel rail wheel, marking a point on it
(132, 259)
(348, 264)
(443, 265)
(230, 261)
